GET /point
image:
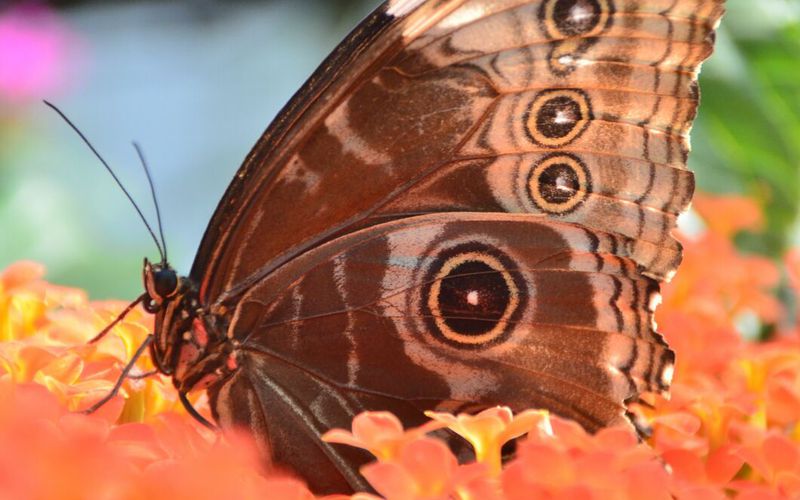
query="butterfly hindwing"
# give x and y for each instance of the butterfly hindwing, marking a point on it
(445, 309)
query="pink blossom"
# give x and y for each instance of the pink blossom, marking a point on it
(36, 49)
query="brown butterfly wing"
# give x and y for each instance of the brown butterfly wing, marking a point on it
(378, 319)
(227, 261)
(564, 111)
(472, 91)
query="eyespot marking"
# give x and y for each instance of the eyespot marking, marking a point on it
(568, 18)
(559, 183)
(471, 296)
(574, 27)
(556, 117)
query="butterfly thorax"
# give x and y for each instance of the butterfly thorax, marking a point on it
(187, 342)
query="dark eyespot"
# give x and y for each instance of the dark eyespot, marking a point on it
(472, 296)
(559, 183)
(574, 26)
(576, 17)
(557, 117)
(571, 18)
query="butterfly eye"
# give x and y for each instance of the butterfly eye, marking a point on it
(161, 283)
(166, 283)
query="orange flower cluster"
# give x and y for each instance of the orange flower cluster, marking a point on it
(556, 459)
(44, 334)
(141, 445)
(731, 427)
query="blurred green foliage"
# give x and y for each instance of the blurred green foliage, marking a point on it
(747, 136)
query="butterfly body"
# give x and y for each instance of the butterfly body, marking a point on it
(468, 204)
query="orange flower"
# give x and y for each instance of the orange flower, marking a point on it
(490, 429)
(426, 469)
(25, 300)
(46, 329)
(718, 283)
(727, 215)
(792, 263)
(380, 433)
(774, 459)
(51, 453)
(573, 464)
(770, 374)
(704, 342)
(715, 282)
(702, 476)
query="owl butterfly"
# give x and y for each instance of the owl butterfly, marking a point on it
(468, 204)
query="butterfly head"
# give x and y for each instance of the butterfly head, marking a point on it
(161, 283)
(165, 296)
(181, 335)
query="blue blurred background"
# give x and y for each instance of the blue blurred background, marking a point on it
(197, 82)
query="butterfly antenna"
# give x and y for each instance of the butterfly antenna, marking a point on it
(116, 179)
(153, 194)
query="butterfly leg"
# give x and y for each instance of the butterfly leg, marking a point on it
(141, 376)
(119, 318)
(122, 376)
(194, 413)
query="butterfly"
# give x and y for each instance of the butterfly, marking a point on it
(468, 204)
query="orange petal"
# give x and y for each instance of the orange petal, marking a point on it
(20, 274)
(781, 453)
(686, 466)
(722, 465)
(390, 480)
(380, 433)
(726, 215)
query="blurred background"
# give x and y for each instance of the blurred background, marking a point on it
(197, 82)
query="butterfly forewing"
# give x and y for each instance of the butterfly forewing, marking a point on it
(396, 106)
